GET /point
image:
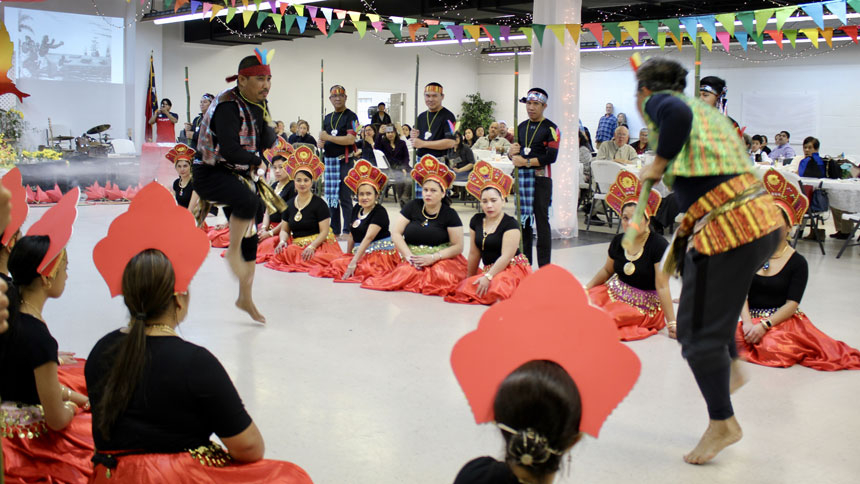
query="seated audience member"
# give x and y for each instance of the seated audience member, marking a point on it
(479, 135)
(157, 398)
(757, 154)
(621, 120)
(783, 151)
(811, 166)
(294, 126)
(618, 149)
(468, 137)
(461, 160)
(641, 144)
(280, 128)
(764, 146)
(302, 135)
(585, 157)
(367, 144)
(397, 154)
(494, 142)
(405, 132)
(503, 129)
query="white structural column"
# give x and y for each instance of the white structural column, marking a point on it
(555, 68)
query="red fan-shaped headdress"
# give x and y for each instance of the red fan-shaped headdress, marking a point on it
(12, 182)
(180, 152)
(281, 148)
(626, 189)
(362, 173)
(484, 176)
(57, 224)
(429, 168)
(153, 221)
(786, 195)
(304, 159)
(548, 318)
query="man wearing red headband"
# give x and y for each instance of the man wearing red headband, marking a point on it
(235, 131)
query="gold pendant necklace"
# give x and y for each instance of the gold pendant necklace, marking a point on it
(360, 218)
(298, 216)
(487, 233)
(428, 218)
(629, 267)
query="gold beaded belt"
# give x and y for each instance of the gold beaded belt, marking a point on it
(22, 421)
(646, 302)
(308, 239)
(427, 249)
(381, 245)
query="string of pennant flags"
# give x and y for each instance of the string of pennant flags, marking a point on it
(285, 16)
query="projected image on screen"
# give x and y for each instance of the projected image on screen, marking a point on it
(58, 46)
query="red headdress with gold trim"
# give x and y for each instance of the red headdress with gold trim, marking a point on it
(550, 318)
(429, 168)
(626, 189)
(57, 224)
(786, 195)
(180, 152)
(153, 221)
(304, 159)
(12, 182)
(281, 148)
(362, 173)
(484, 176)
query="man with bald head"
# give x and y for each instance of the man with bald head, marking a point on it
(494, 141)
(617, 148)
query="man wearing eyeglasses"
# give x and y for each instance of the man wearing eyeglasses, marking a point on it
(337, 140)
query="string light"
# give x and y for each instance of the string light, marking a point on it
(137, 15)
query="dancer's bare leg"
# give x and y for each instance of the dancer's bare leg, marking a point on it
(238, 227)
(245, 301)
(719, 435)
(739, 376)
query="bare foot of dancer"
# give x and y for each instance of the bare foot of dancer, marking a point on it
(719, 435)
(738, 377)
(248, 306)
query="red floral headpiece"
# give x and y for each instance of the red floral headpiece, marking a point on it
(484, 176)
(153, 221)
(12, 182)
(304, 159)
(57, 224)
(429, 168)
(281, 148)
(786, 195)
(362, 173)
(550, 318)
(180, 152)
(627, 189)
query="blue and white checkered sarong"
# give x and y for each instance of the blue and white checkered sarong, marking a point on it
(331, 179)
(527, 196)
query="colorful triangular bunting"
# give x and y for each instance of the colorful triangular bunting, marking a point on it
(742, 37)
(574, 30)
(709, 23)
(791, 35)
(558, 30)
(837, 7)
(632, 27)
(776, 35)
(361, 27)
(674, 26)
(761, 18)
(707, 40)
(782, 15)
(539, 30)
(727, 20)
(691, 25)
(395, 29)
(812, 35)
(828, 36)
(725, 39)
(816, 11)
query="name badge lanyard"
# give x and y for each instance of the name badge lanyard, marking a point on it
(528, 148)
(429, 132)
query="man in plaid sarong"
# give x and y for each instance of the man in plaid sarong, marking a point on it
(533, 153)
(337, 139)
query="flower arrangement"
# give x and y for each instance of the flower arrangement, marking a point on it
(43, 154)
(8, 154)
(12, 125)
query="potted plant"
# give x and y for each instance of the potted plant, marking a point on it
(476, 112)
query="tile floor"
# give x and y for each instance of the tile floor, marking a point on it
(356, 387)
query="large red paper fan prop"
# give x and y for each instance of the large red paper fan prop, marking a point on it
(12, 182)
(57, 224)
(153, 221)
(548, 318)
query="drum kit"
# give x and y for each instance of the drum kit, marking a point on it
(94, 143)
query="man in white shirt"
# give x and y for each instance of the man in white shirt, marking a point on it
(494, 142)
(618, 150)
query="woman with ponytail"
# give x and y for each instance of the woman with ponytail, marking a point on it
(43, 422)
(157, 398)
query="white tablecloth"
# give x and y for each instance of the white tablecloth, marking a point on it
(843, 194)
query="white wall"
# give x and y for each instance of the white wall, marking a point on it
(496, 82)
(366, 65)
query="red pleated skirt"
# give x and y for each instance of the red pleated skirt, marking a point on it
(502, 286)
(181, 468)
(54, 457)
(290, 259)
(633, 322)
(797, 341)
(370, 265)
(440, 279)
(72, 376)
(266, 249)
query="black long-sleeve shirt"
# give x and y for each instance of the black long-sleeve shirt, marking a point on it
(226, 124)
(398, 157)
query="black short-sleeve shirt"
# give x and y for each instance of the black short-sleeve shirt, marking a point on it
(315, 212)
(286, 193)
(377, 216)
(486, 470)
(25, 346)
(183, 397)
(768, 292)
(344, 123)
(643, 278)
(492, 244)
(436, 231)
(538, 138)
(439, 125)
(183, 194)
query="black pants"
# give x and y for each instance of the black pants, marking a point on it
(712, 297)
(217, 184)
(542, 199)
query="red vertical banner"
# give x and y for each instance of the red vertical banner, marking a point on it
(151, 101)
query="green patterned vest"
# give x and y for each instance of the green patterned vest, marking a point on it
(713, 148)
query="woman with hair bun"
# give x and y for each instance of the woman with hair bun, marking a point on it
(157, 398)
